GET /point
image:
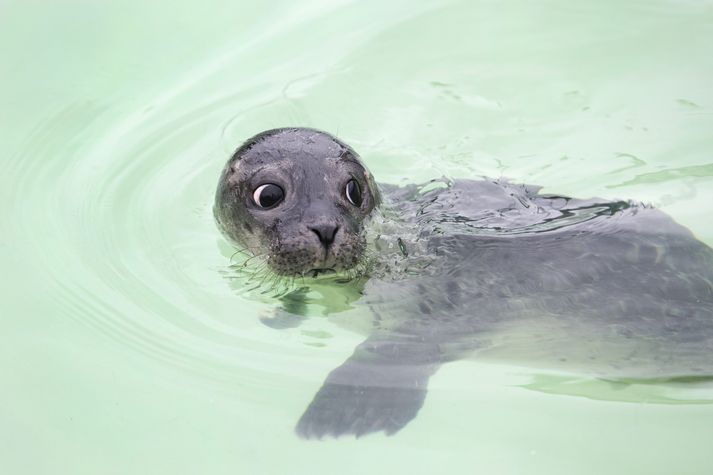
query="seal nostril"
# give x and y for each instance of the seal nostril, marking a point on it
(325, 233)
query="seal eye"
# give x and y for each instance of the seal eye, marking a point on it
(268, 195)
(353, 192)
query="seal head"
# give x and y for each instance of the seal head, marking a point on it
(298, 198)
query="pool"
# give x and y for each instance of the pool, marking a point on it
(128, 346)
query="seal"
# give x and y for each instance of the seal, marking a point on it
(460, 267)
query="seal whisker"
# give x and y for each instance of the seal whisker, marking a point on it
(238, 251)
(262, 281)
(284, 286)
(272, 284)
(249, 259)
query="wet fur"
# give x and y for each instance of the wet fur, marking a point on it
(611, 288)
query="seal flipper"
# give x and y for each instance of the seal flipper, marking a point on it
(381, 387)
(292, 312)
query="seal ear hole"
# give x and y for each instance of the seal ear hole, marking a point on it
(353, 192)
(268, 195)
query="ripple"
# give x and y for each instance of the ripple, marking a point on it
(111, 201)
(114, 204)
(694, 171)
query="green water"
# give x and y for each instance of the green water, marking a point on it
(125, 347)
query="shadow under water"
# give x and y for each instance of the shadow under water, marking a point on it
(669, 391)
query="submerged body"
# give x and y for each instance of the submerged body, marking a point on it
(612, 288)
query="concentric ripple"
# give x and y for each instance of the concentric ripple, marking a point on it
(126, 241)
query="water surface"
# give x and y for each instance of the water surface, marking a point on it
(127, 350)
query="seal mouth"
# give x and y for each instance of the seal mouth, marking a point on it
(320, 271)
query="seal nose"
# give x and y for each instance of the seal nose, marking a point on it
(325, 233)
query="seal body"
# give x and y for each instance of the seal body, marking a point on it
(616, 289)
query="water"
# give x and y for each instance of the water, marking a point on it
(127, 350)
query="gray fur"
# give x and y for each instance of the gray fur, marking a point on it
(313, 169)
(614, 289)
